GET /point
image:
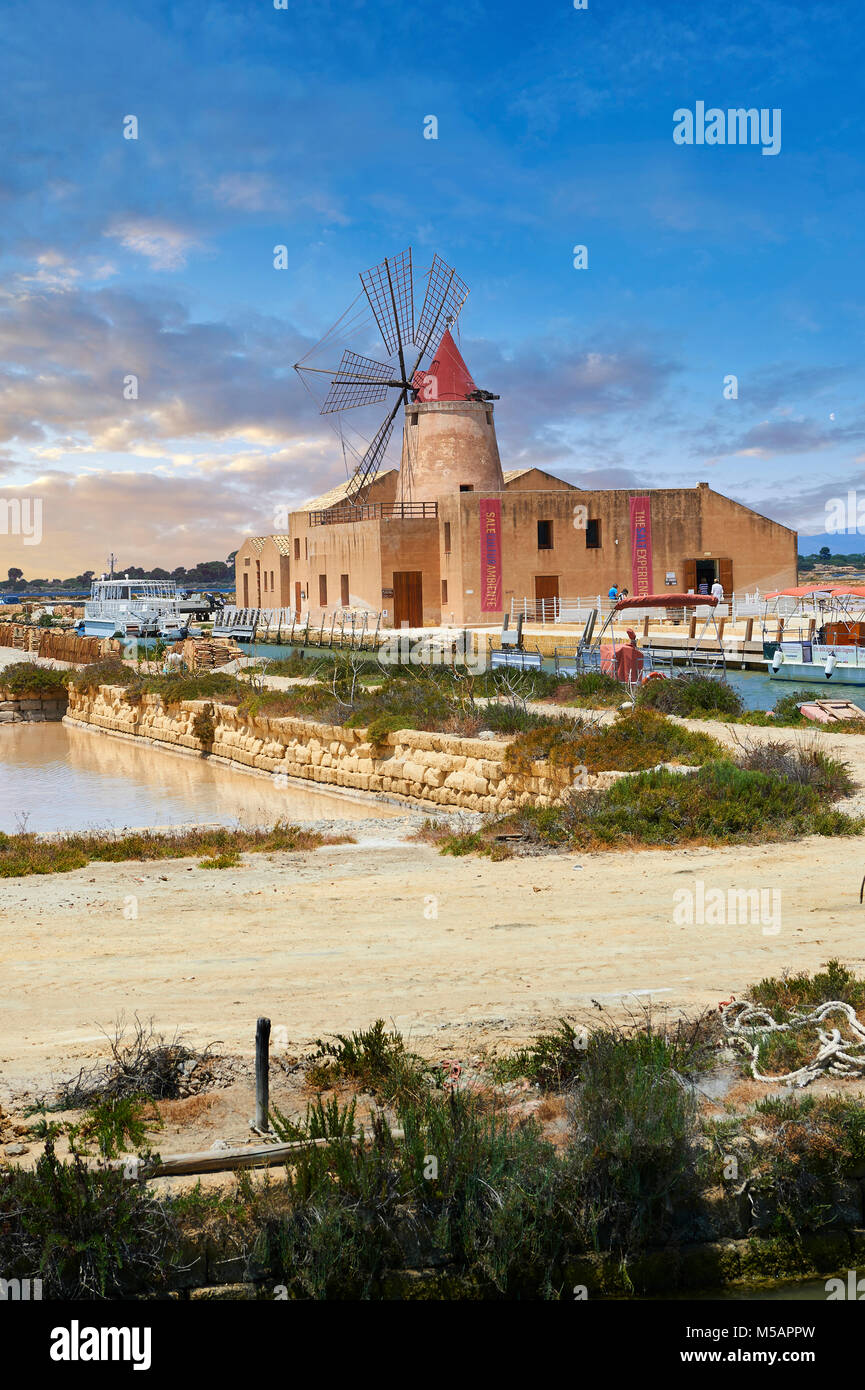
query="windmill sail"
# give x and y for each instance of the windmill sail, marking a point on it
(388, 287)
(357, 381)
(445, 295)
(368, 466)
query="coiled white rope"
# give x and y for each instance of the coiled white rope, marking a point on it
(837, 1056)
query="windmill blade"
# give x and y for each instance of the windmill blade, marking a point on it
(445, 295)
(357, 381)
(368, 466)
(388, 287)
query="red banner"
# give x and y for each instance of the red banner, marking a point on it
(641, 545)
(490, 512)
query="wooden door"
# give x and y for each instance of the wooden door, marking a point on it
(725, 576)
(246, 591)
(546, 594)
(407, 598)
(689, 576)
(297, 598)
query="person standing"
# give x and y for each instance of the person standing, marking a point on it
(718, 590)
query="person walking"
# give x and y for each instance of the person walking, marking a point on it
(718, 590)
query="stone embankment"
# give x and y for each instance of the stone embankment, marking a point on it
(431, 768)
(15, 709)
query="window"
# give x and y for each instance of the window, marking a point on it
(322, 590)
(545, 535)
(466, 487)
(343, 590)
(246, 561)
(444, 591)
(593, 535)
(306, 547)
(297, 547)
(272, 585)
(265, 581)
(447, 539)
(412, 419)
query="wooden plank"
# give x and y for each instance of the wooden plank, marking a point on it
(221, 1160)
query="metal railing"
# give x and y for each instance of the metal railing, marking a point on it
(371, 511)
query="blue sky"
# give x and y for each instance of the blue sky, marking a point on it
(304, 127)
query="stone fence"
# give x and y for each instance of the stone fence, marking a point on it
(430, 768)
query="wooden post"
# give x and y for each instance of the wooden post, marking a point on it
(780, 629)
(262, 1074)
(646, 626)
(692, 629)
(812, 624)
(722, 623)
(749, 628)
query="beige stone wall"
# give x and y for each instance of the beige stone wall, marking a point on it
(420, 768)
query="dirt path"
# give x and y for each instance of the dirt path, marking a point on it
(457, 952)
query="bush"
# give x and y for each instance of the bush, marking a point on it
(635, 1127)
(593, 688)
(86, 1233)
(806, 767)
(637, 740)
(26, 678)
(690, 695)
(374, 1059)
(779, 994)
(108, 672)
(718, 804)
(203, 726)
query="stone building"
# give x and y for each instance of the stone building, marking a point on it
(451, 538)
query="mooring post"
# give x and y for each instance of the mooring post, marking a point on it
(262, 1074)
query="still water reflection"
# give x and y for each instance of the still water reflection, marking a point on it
(57, 777)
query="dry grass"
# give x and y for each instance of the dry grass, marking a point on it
(27, 853)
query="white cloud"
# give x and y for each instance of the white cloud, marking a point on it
(165, 245)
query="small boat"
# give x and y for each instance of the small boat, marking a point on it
(129, 607)
(828, 638)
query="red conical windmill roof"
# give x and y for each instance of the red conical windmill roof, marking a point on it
(452, 378)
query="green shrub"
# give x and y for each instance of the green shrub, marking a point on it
(88, 1234)
(26, 678)
(636, 740)
(691, 696)
(373, 1059)
(807, 767)
(635, 1126)
(720, 803)
(203, 726)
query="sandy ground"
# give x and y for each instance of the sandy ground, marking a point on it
(465, 956)
(460, 953)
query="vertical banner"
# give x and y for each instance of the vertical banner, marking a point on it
(641, 545)
(490, 512)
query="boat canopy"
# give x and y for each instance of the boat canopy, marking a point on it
(666, 601)
(822, 591)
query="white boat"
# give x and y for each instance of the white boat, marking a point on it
(829, 646)
(814, 662)
(130, 607)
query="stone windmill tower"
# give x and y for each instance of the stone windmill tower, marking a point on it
(449, 436)
(449, 439)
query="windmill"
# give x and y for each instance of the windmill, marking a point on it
(362, 381)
